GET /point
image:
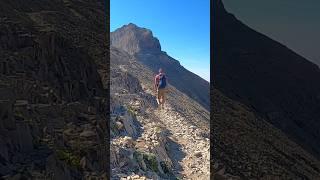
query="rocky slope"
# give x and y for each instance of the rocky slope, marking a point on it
(141, 43)
(281, 86)
(263, 101)
(246, 146)
(53, 106)
(149, 143)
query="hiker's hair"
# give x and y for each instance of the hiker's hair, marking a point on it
(160, 70)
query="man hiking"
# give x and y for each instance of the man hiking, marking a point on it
(160, 83)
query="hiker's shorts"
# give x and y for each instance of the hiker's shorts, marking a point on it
(161, 93)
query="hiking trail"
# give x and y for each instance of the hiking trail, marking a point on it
(150, 143)
(189, 152)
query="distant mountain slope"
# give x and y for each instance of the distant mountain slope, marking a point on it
(246, 146)
(146, 48)
(278, 84)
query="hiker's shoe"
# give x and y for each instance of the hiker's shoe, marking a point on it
(158, 101)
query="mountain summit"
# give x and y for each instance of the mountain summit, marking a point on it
(134, 39)
(140, 43)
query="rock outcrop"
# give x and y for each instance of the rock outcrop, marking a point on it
(134, 39)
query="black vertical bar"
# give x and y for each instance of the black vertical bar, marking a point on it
(212, 59)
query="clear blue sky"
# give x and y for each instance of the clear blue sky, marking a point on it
(182, 27)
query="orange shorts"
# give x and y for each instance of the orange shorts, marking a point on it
(161, 93)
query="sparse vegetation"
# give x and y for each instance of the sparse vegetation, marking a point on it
(157, 129)
(131, 111)
(151, 161)
(69, 157)
(18, 114)
(113, 128)
(138, 156)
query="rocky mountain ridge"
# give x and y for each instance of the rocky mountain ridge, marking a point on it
(141, 43)
(147, 143)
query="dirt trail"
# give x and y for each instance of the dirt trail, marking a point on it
(173, 135)
(189, 151)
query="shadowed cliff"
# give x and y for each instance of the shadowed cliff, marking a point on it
(274, 81)
(265, 102)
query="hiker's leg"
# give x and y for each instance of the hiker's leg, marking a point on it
(158, 96)
(163, 97)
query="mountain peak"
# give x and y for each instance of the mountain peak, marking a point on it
(134, 39)
(132, 25)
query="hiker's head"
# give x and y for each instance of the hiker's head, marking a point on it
(160, 70)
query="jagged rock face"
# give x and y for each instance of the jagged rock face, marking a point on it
(140, 43)
(49, 57)
(278, 84)
(133, 39)
(53, 105)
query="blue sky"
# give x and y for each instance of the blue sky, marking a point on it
(182, 27)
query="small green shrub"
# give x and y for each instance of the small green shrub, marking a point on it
(151, 161)
(131, 111)
(114, 128)
(69, 157)
(138, 156)
(157, 129)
